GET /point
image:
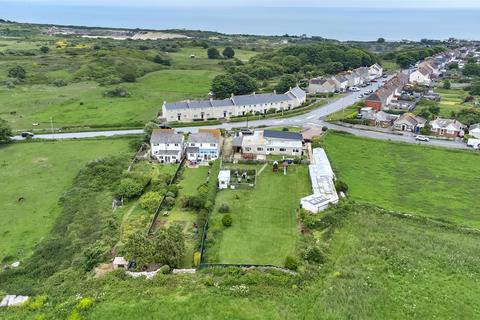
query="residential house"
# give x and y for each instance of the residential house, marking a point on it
(341, 83)
(234, 106)
(450, 128)
(375, 71)
(354, 79)
(363, 73)
(474, 130)
(382, 98)
(431, 65)
(318, 85)
(203, 146)
(223, 179)
(409, 122)
(381, 119)
(166, 145)
(421, 76)
(269, 142)
(322, 180)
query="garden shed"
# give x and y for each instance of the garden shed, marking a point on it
(223, 179)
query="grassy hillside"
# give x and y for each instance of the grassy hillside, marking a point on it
(438, 183)
(32, 178)
(377, 266)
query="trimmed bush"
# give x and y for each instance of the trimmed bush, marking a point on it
(150, 201)
(165, 269)
(227, 220)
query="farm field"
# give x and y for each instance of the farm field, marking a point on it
(83, 104)
(265, 228)
(38, 173)
(438, 183)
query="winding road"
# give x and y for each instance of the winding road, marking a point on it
(314, 118)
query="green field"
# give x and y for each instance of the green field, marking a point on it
(39, 172)
(83, 104)
(265, 227)
(438, 183)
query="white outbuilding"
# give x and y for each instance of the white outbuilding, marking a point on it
(223, 179)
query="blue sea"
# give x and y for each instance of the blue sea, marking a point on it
(334, 23)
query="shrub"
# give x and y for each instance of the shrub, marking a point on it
(213, 53)
(129, 188)
(150, 201)
(169, 202)
(117, 93)
(165, 269)
(227, 220)
(314, 254)
(341, 186)
(324, 128)
(192, 202)
(224, 208)
(164, 60)
(17, 72)
(59, 83)
(84, 304)
(291, 263)
(36, 302)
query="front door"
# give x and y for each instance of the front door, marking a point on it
(167, 159)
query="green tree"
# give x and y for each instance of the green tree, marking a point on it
(446, 84)
(228, 52)
(17, 72)
(150, 201)
(44, 49)
(381, 40)
(161, 59)
(213, 53)
(5, 132)
(475, 88)
(223, 86)
(129, 188)
(286, 82)
(291, 64)
(405, 60)
(243, 83)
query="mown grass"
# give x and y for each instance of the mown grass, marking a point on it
(38, 173)
(265, 228)
(435, 182)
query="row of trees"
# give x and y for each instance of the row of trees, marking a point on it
(406, 58)
(227, 53)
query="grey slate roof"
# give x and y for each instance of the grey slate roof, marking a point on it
(251, 99)
(202, 137)
(285, 135)
(193, 149)
(165, 136)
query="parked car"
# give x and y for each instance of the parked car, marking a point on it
(385, 76)
(27, 134)
(359, 116)
(360, 96)
(354, 89)
(422, 138)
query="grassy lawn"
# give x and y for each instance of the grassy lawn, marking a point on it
(83, 104)
(265, 228)
(435, 182)
(39, 172)
(347, 113)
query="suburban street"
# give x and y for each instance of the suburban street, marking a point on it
(314, 118)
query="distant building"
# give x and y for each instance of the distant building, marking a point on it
(322, 179)
(166, 145)
(392, 90)
(375, 71)
(234, 106)
(318, 85)
(421, 76)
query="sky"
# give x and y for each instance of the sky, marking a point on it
(275, 3)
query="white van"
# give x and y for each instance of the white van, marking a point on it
(354, 89)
